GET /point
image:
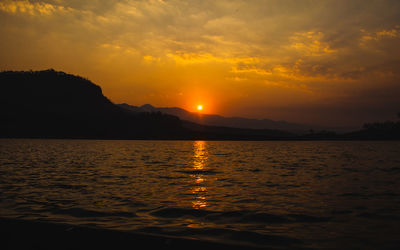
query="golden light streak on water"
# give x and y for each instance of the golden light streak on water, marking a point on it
(200, 157)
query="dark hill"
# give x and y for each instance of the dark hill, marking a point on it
(52, 92)
(54, 104)
(51, 104)
(388, 130)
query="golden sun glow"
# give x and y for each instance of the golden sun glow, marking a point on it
(280, 60)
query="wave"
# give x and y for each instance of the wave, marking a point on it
(86, 213)
(226, 235)
(180, 212)
(197, 172)
(238, 216)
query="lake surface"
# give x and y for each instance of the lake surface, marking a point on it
(322, 195)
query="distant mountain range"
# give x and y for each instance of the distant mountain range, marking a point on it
(234, 122)
(52, 104)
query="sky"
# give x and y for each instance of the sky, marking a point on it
(325, 62)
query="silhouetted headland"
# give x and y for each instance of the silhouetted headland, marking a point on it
(53, 104)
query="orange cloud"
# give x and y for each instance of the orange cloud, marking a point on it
(33, 9)
(310, 44)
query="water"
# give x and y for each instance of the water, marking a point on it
(323, 195)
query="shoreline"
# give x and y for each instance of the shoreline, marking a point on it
(28, 234)
(203, 139)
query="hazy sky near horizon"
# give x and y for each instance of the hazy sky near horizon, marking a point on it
(331, 62)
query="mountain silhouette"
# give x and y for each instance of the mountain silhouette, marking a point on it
(53, 104)
(217, 120)
(388, 130)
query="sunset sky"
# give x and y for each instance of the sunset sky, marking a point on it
(329, 62)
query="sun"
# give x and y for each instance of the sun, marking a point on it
(199, 107)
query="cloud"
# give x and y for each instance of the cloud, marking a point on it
(29, 8)
(310, 44)
(304, 50)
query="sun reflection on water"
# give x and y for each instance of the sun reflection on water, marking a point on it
(200, 157)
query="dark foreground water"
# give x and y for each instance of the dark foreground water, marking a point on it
(322, 195)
